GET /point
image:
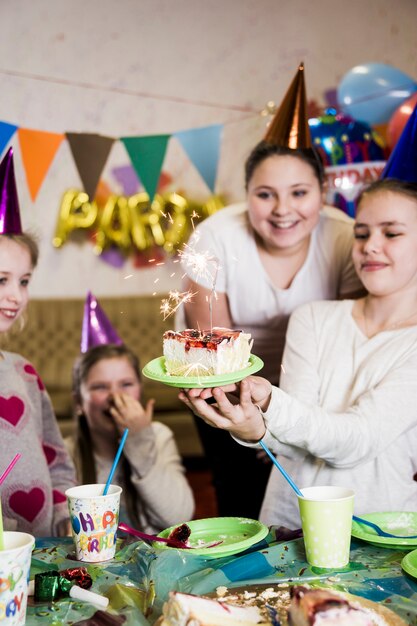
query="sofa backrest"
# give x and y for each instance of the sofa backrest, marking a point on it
(52, 334)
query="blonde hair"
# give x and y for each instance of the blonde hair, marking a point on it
(26, 241)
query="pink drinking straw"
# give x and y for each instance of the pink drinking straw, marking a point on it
(9, 467)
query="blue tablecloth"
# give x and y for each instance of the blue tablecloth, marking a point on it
(138, 580)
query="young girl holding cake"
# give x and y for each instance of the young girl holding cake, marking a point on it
(32, 495)
(275, 252)
(345, 412)
(107, 390)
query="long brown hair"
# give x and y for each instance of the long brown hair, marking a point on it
(83, 438)
(389, 184)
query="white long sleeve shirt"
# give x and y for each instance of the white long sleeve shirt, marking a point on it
(345, 413)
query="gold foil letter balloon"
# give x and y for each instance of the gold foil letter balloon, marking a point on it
(75, 212)
(146, 226)
(114, 225)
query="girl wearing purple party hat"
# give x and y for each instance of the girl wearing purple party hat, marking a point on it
(107, 393)
(32, 496)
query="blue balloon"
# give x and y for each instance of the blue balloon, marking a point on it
(373, 91)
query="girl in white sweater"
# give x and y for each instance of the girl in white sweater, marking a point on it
(345, 412)
(107, 391)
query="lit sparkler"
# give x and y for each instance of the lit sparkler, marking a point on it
(202, 265)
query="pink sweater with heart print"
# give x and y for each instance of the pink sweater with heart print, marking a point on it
(32, 496)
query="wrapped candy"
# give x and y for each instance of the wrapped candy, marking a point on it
(53, 585)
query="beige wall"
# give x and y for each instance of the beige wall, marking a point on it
(157, 66)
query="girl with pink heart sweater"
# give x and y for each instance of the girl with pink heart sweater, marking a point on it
(32, 495)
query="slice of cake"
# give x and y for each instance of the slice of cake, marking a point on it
(183, 609)
(320, 607)
(206, 352)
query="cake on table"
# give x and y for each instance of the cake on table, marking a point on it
(206, 352)
(281, 605)
(184, 609)
(319, 607)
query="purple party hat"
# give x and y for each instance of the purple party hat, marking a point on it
(402, 163)
(9, 203)
(97, 329)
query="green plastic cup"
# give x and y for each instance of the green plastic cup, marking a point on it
(326, 520)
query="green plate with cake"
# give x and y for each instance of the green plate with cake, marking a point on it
(204, 358)
(234, 534)
(155, 370)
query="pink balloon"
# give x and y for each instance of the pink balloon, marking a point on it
(399, 120)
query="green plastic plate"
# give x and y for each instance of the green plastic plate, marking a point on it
(155, 370)
(236, 534)
(409, 563)
(395, 522)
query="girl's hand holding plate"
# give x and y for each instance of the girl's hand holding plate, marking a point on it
(242, 419)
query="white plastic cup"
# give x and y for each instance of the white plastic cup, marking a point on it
(326, 520)
(14, 577)
(94, 521)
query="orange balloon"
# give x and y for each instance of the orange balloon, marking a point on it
(399, 120)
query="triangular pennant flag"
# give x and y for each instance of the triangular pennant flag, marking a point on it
(6, 133)
(90, 152)
(202, 146)
(147, 155)
(38, 149)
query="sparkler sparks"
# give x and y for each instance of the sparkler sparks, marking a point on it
(171, 304)
(201, 264)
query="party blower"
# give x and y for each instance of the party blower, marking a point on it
(53, 585)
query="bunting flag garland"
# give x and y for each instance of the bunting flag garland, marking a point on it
(147, 155)
(90, 152)
(38, 150)
(6, 133)
(202, 146)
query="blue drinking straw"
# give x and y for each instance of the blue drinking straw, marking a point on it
(281, 469)
(116, 460)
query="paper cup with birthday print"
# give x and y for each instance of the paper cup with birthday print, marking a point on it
(326, 520)
(14, 577)
(94, 520)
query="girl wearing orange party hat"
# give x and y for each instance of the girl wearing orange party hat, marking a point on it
(32, 496)
(279, 249)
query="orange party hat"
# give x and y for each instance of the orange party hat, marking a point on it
(289, 127)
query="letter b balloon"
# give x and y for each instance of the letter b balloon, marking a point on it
(373, 91)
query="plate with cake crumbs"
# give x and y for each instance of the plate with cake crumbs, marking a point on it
(155, 370)
(274, 601)
(231, 534)
(394, 522)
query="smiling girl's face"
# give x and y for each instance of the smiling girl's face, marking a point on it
(104, 379)
(15, 274)
(284, 201)
(384, 251)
